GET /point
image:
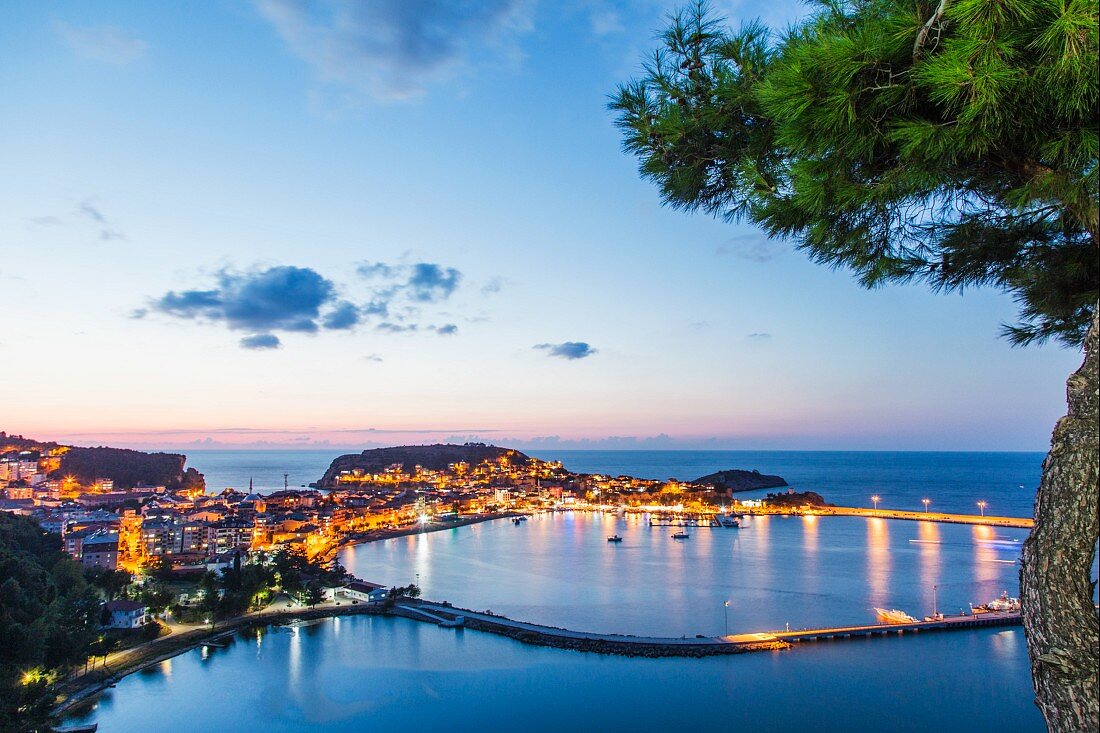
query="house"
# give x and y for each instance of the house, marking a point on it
(363, 591)
(125, 614)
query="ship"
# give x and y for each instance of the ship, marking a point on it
(894, 616)
(1004, 604)
(729, 521)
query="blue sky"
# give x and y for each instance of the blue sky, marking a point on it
(279, 223)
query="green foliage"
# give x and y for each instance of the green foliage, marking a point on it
(48, 620)
(952, 143)
(127, 468)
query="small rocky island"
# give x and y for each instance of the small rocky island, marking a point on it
(735, 480)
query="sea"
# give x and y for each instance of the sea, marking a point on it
(359, 673)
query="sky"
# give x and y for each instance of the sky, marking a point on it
(279, 223)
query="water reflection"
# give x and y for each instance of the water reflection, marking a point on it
(878, 561)
(929, 534)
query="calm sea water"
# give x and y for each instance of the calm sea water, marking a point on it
(359, 673)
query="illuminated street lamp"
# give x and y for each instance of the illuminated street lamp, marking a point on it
(875, 500)
(926, 502)
(726, 616)
(981, 507)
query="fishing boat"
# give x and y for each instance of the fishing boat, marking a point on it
(894, 616)
(680, 536)
(614, 538)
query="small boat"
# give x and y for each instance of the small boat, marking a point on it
(728, 521)
(88, 728)
(894, 616)
(680, 536)
(614, 538)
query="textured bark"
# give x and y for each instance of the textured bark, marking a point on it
(1056, 587)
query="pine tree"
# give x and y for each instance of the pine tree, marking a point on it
(952, 142)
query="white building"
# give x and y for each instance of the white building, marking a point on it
(126, 615)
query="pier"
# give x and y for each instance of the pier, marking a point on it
(698, 646)
(947, 623)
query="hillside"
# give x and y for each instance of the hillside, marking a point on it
(435, 457)
(738, 480)
(127, 468)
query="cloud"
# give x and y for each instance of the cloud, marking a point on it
(492, 285)
(107, 231)
(105, 43)
(376, 358)
(759, 338)
(753, 248)
(396, 49)
(430, 283)
(288, 299)
(345, 315)
(567, 349)
(261, 341)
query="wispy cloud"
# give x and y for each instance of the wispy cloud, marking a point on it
(107, 230)
(396, 49)
(754, 248)
(759, 338)
(567, 350)
(104, 43)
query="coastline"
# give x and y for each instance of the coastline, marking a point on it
(77, 690)
(374, 535)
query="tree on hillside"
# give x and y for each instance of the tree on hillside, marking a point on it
(951, 142)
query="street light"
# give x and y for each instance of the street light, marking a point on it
(875, 500)
(726, 616)
(926, 502)
(981, 507)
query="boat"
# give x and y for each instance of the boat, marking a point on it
(894, 616)
(614, 538)
(86, 728)
(1004, 604)
(680, 536)
(728, 521)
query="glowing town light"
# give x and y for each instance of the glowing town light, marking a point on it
(423, 518)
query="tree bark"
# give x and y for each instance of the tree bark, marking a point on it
(1056, 585)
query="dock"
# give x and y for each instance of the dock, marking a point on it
(698, 646)
(947, 623)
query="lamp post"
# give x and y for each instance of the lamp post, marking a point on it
(874, 500)
(981, 507)
(726, 616)
(926, 502)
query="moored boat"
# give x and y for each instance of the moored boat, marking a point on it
(680, 536)
(728, 521)
(1004, 604)
(614, 538)
(894, 616)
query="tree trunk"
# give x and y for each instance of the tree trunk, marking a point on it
(1056, 586)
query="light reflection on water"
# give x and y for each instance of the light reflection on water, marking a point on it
(808, 571)
(403, 675)
(358, 672)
